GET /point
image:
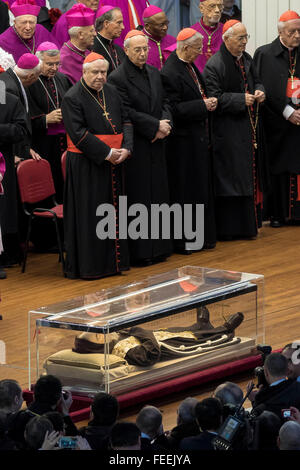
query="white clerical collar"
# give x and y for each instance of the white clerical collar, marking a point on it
(289, 48)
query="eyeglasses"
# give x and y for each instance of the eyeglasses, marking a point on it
(293, 33)
(212, 7)
(243, 38)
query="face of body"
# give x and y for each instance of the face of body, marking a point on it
(25, 26)
(138, 50)
(192, 51)
(211, 11)
(228, 4)
(290, 34)
(236, 44)
(157, 26)
(49, 65)
(114, 28)
(86, 36)
(92, 4)
(95, 75)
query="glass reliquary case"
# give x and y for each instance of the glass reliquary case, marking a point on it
(152, 330)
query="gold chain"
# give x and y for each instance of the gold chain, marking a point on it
(254, 124)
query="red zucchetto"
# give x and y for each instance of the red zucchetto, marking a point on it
(92, 57)
(186, 33)
(134, 32)
(288, 16)
(229, 24)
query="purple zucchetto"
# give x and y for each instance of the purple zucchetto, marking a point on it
(47, 46)
(28, 61)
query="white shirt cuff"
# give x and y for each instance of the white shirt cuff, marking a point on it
(288, 111)
(109, 155)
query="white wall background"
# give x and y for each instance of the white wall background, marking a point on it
(261, 17)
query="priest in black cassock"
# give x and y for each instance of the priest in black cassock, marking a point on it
(13, 129)
(44, 99)
(188, 148)
(238, 146)
(142, 93)
(281, 59)
(99, 140)
(109, 26)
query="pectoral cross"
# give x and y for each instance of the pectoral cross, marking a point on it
(106, 114)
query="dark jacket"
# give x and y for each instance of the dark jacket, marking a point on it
(201, 442)
(13, 86)
(182, 431)
(276, 398)
(232, 132)
(4, 18)
(272, 64)
(96, 435)
(102, 46)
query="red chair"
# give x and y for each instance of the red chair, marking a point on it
(35, 185)
(64, 164)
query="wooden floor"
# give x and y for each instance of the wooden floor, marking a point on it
(275, 254)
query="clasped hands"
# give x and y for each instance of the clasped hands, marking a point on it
(118, 156)
(211, 104)
(295, 117)
(54, 117)
(258, 96)
(163, 130)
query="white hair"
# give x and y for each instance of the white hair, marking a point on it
(88, 64)
(282, 24)
(25, 72)
(6, 60)
(127, 41)
(181, 44)
(74, 31)
(51, 53)
(229, 31)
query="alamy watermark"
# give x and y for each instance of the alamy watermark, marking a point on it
(160, 222)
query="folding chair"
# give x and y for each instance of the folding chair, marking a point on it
(36, 184)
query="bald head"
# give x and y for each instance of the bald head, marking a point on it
(289, 436)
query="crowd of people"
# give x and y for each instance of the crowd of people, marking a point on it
(181, 121)
(271, 423)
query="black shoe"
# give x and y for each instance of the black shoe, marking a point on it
(234, 321)
(141, 263)
(209, 246)
(2, 274)
(276, 222)
(203, 318)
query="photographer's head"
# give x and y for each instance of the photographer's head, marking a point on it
(291, 352)
(104, 409)
(276, 368)
(209, 414)
(48, 390)
(186, 410)
(289, 436)
(229, 394)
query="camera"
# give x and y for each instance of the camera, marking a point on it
(259, 372)
(286, 414)
(67, 442)
(234, 429)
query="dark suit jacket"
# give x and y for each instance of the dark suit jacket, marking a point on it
(101, 46)
(278, 397)
(4, 18)
(13, 86)
(201, 442)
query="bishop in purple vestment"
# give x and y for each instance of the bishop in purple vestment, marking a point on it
(25, 35)
(80, 20)
(60, 29)
(210, 28)
(156, 28)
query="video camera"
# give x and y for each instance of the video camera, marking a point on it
(259, 371)
(233, 426)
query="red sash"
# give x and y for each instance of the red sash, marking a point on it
(112, 140)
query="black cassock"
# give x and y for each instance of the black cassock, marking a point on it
(4, 17)
(188, 154)
(44, 96)
(91, 181)
(146, 172)
(239, 167)
(113, 53)
(13, 129)
(283, 137)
